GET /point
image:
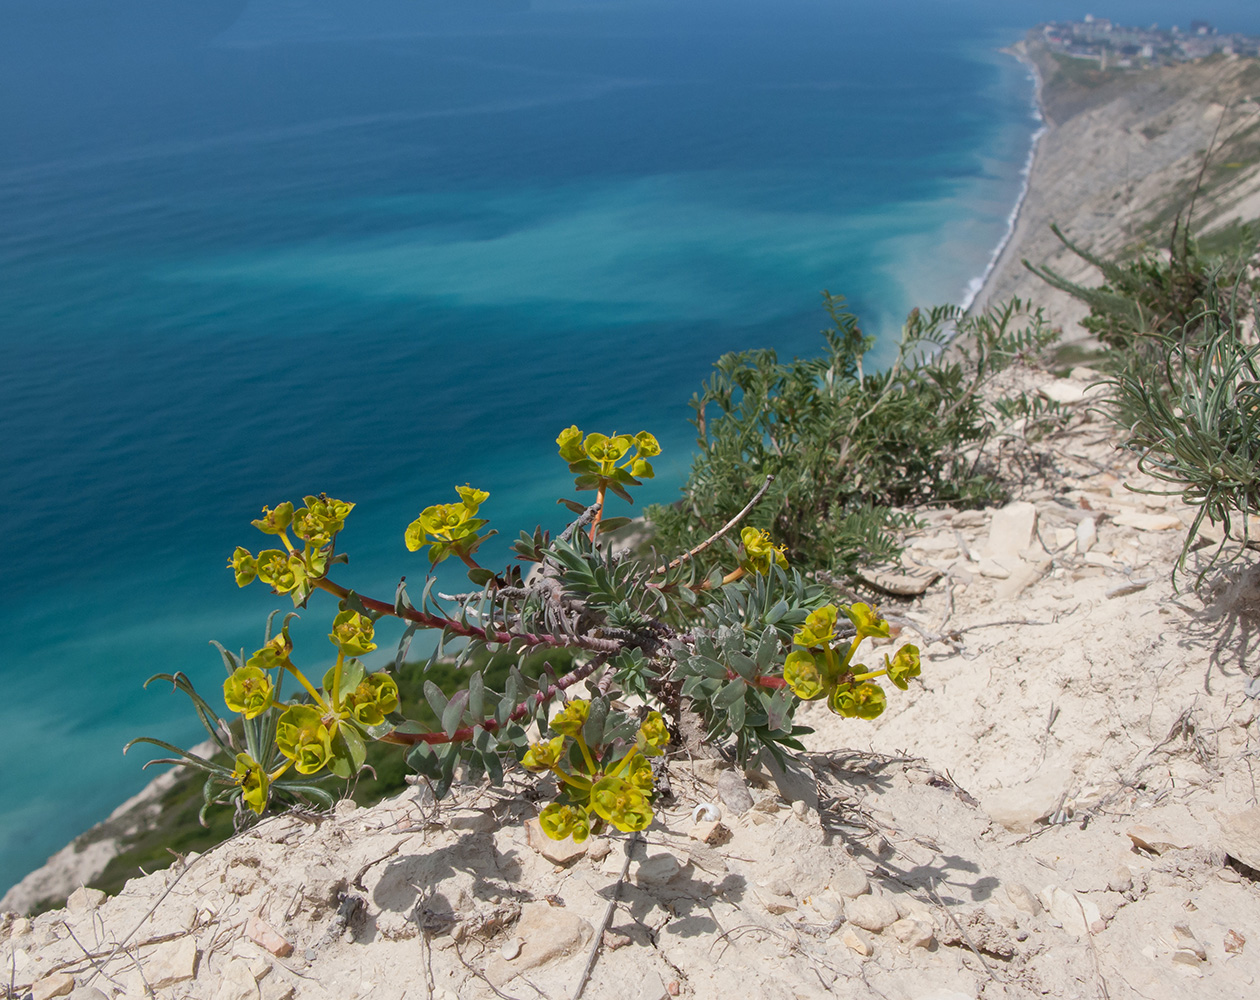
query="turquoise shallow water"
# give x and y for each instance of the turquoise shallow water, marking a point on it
(305, 256)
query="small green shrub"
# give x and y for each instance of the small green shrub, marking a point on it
(845, 445)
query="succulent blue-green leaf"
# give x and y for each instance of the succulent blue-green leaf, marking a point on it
(744, 666)
(767, 648)
(776, 612)
(780, 712)
(593, 730)
(476, 697)
(453, 714)
(735, 715)
(436, 699)
(402, 603)
(730, 694)
(709, 667)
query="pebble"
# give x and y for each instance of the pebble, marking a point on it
(871, 913)
(84, 900)
(657, 869)
(88, 993)
(857, 942)
(170, 963)
(850, 883)
(914, 932)
(706, 812)
(1234, 942)
(1121, 880)
(1240, 836)
(59, 984)
(266, 936)
(598, 849)
(1012, 529)
(733, 791)
(511, 948)
(1086, 535)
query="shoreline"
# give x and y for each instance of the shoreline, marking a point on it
(975, 298)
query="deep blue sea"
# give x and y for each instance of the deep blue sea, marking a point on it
(381, 248)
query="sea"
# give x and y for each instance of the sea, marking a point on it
(386, 247)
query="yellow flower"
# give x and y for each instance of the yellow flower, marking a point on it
(570, 719)
(903, 666)
(254, 782)
(801, 674)
(653, 735)
(352, 633)
(249, 691)
(819, 628)
(302, 736)
(621, 804)
(543, 756)
(867, 621)
(760, 553)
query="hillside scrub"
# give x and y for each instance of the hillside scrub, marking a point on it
(850, 449)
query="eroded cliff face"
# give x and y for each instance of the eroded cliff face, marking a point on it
(1117, 163)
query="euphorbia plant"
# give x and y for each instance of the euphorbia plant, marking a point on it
(721, 646)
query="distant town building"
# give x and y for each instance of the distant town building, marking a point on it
(1119, 46)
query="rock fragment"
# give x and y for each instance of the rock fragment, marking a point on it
(1019, 807)
(59, 984)
(1012, 529)
(871, 913)
(657, 869)
(84, 900)
(266, 936)
(237, 983)
(710, 832)
(547, 932)
(1234, 942)
(558, 852)
(1240, 836)
(850, 883)
(914, 932)
(857, 942)
(1021, 898)
(733, 791)
(1076, 913)
(1154, 841)
(1149, 522)
(170, 963)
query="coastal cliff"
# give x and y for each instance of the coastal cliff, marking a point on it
(1062, 807)
(1120, 157)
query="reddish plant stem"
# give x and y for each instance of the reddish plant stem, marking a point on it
(425, 620)
(465, 733)
(599, 513)
(761, 680)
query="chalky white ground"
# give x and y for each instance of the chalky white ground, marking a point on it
(975, 842)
